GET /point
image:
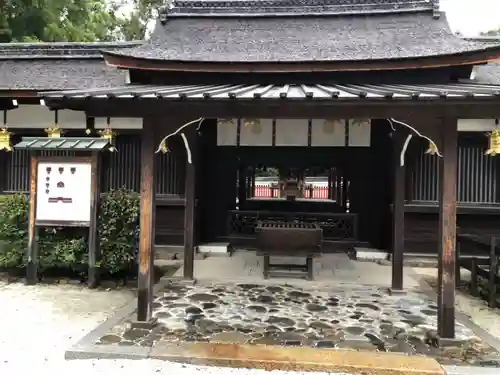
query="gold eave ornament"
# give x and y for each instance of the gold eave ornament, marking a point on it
(5, 141)
(494, 143)
(54, 132)
(110, 135)
(432, 149)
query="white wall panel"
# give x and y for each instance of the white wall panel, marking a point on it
(227, 131)
(124, 123)
(476, 125)
(328, 133)
(259, 135)
(35, 116)
(359, 133)
(291, 132)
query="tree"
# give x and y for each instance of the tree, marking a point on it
(134, 25)
(58, 20)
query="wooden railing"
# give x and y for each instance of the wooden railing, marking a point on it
(335, 226)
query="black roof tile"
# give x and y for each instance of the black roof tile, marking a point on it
(58, 66)
(57, 75)
(302, 39)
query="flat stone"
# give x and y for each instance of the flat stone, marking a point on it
(315, 307)
(264, 299)
(272, 328)
(208, 325)
(257, 308)
(109, 339)
(193, 310)
(429, 312)
(325, 344)
(135, 334)
(248, 286)
(369, 306)
(354, 330)
(289, 336)
(274, 289)
(126, 343)
(169, 298)
(281, 321)
(209, 305)
(162, 314)
(356, 343)
(299, 294)
(203, 297)
(319, 325)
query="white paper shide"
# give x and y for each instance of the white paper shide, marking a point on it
(63, 191)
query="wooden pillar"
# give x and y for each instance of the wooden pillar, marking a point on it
(447, 229)
(94, 248)
(398, 212)
(242, 182)
(147, 222)
(32, 265)
(190, 205)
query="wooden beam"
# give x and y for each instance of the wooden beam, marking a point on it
(466, 58)
(147, 220)
(398, 212)
(283, 108)
(190, 206)
(447, 229)
(32, 266)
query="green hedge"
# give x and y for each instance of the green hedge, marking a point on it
(64, 250)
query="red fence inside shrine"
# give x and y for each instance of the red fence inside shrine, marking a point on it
(264, 191)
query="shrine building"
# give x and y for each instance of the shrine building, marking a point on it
(397, 113)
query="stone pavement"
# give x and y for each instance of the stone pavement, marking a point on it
(342, 316)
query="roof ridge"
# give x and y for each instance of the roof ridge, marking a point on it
(60, 50)
(242, 8)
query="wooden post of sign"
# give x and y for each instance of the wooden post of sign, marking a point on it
(94, 250)
(32, 266)
(398, 213)
(147, 219)
(447, 229)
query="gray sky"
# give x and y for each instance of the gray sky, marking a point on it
(470, 17)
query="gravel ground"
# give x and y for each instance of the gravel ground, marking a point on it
(40, 322)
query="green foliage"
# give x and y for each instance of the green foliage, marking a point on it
(65, 249)
(133, 27)
(119, 230)
(74, 21)
(13, 230)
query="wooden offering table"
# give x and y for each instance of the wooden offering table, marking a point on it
(288, 239)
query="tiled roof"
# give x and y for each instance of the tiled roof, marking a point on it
(283, 92)
(302, 38)
(58, 66)
(62, 144)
